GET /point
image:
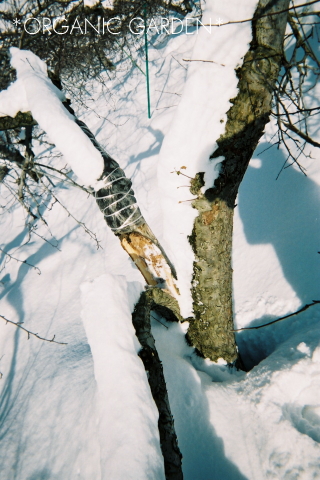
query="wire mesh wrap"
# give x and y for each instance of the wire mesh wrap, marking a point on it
(116, 198)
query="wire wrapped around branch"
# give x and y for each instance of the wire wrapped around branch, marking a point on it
(117, 202)
(116, 198)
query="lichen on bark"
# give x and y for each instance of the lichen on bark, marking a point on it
(211, 328)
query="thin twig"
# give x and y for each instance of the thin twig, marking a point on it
(179, 62)
(162, 108)
(301, 134)
(82, 224)
(18, 324)
(314, 302)
(68, 179)
(21, 261)
(172, 93)
(205, 61)
(158, 321)
(262, 16)
(302, 110)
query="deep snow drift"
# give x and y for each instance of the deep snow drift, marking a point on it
(84, 410)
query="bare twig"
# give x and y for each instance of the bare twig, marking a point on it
(314, 302)
(301, 134)
(205, 61)
(172, 93)
(163, 108)
(262, 16)
(82, 224)
(60, 172)
(156, 319)
(21, 261)
(179, 62)
(29, 333)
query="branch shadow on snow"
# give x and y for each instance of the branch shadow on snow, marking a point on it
(153, 149)
(285, 214)
(14, 296)
(29, 402)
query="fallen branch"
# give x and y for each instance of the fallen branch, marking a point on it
(314, 302)
(18, 324)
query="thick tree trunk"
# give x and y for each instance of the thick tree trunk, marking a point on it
(211, 329)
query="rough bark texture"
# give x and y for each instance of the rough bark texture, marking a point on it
(211, 329)
(150, 358)
(211, 240)
(20, 120)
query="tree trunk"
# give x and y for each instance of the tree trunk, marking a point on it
(211, 329)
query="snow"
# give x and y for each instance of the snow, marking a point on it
(91, 3)
(129, 438)
(36, 93)
(202, 112)
(13, 100)
(84, 410)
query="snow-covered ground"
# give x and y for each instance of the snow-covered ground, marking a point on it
(84, 410)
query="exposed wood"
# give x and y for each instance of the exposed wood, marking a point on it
(117, 202)
(149, 258)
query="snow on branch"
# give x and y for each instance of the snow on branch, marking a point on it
(33, 91)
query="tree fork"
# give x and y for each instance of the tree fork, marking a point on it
(152, 363)
(211, 329)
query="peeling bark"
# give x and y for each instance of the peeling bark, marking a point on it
(211, 329)
(121, 212)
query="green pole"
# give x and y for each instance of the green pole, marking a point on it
(147, 59)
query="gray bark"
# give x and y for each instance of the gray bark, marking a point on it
(211, 329)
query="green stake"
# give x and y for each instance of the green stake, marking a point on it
(147, 59)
